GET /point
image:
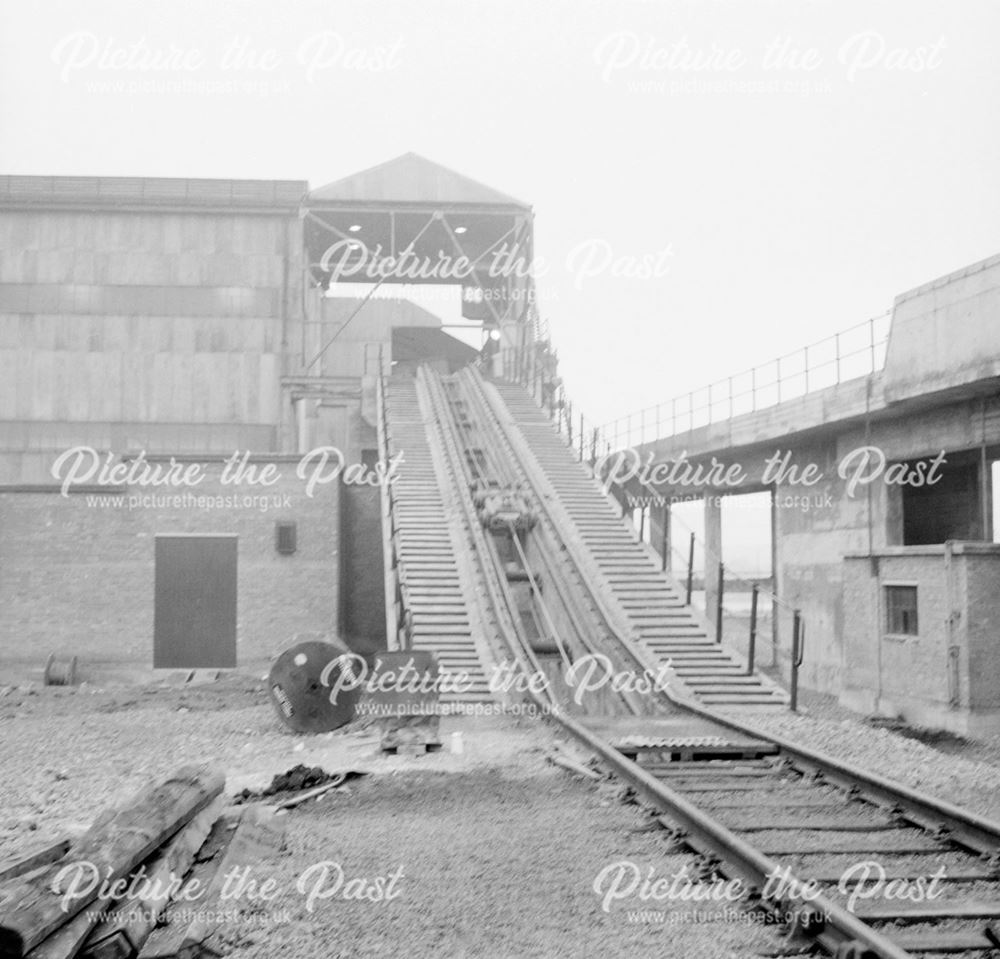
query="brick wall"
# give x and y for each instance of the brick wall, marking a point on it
(917, 676)
(79, 578)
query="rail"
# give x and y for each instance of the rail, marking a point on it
(397, 614)
(840, 932)
(849, 354)
(795, 656)
(855, 352)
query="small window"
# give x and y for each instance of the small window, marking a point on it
(901, 610)
(285, 537)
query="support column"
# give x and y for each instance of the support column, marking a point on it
(306, 412)
(713, 553)
(659, 533)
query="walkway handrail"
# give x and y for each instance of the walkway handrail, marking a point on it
(795, 656)
(397, 619)
(857, 351)
(851, 353)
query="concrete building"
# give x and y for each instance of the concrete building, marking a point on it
(882, 499)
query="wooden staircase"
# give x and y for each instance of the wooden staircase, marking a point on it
(631, 578)
(427, 545)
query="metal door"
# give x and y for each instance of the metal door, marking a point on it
(194, 624)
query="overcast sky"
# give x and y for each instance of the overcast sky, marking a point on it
(782, 169)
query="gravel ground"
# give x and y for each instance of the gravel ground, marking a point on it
(66, 753)
(493, 863)
(966, 773)
(498, 850)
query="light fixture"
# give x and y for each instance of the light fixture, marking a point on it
(461, 229)
(355, 246)
(355, 228)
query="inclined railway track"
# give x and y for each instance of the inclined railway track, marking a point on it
(861, 867)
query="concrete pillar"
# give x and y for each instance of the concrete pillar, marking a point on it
(659, 532)
(306, 411)
(713, 553)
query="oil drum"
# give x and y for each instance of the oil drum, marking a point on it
(313, 686)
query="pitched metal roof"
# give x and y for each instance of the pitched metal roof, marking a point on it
(413, 179)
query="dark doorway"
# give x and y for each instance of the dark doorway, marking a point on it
(194, 624)
(416, 345)
(950, 509)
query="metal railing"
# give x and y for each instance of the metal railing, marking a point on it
(850, 354)
(794, 656)
(398, 614)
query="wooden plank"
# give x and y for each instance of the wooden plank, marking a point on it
(949, 941)
(136, 916)
(260, 835)
(68, 940)
(165, 940)
(927, 912)
(33, 858)
(33, 909)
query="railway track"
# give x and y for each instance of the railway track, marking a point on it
(857, 865)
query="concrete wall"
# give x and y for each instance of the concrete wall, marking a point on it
(946, 333)
(814, 526)
(77, 577)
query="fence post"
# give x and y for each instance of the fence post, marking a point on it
(837, 347)
(665, 541)
(718, 603)
(581, 437)
(690, 579)
(752, 647)
(871, 338)
(796, 654)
